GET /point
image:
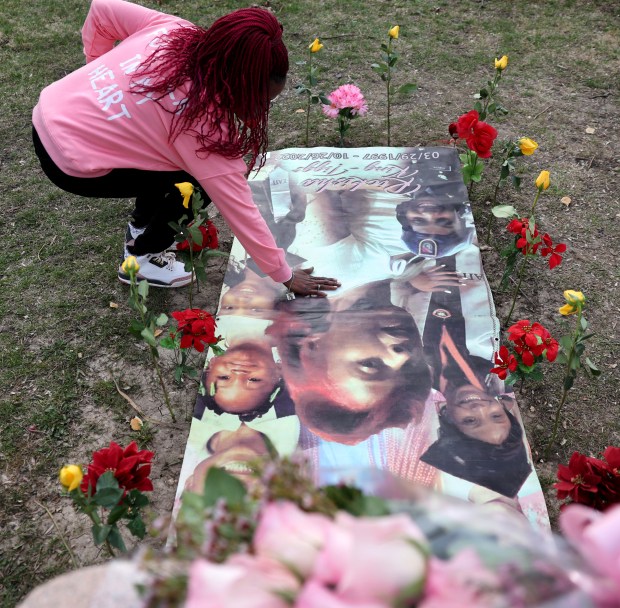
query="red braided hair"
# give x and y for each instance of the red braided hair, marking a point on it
(229, 68)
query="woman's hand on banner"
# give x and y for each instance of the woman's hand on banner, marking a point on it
(303, 283)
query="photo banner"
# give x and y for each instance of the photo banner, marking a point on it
(391, 370)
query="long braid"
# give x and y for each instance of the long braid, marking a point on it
(227, 70)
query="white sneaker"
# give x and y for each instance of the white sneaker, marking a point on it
(159, 270)
(132, 233)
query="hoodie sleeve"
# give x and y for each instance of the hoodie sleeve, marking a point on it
(109, 21)
(231, 194)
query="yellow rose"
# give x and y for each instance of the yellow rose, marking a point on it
(394, 32)
(527, 146)
(575, 300)
(186, 189)
(574, 297)
(542, 181)
(70, 477)
(130, 265)
(501, 63)
(316, 46)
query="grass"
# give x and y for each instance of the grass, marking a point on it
(59, 338)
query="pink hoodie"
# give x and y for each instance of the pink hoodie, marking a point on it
(95, 120)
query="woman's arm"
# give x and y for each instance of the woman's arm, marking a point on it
(109, 21)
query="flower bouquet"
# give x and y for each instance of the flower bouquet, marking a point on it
(284, 542)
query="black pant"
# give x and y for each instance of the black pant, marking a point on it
(158, 201)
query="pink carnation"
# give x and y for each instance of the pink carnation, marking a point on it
(348, 96)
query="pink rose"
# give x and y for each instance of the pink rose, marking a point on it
(291, 536)
(596, 536)
(244, 580)
(372, 559)
(314, 595)
(463, 581)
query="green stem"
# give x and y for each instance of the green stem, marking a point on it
(494, 201)
(389, 79)
(140, 306)
(191, 263)
(558, 410)
(309, 99)
(534, 203)
(516, 292)
(163, 386)
(489, 225)
(308, 120)
(471, 183)
(97, 521)
(492, 88)
(342, 129)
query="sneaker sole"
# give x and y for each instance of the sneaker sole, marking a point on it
(125, 278)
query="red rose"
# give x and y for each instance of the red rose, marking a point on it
(481, 139)
(478, 135)
(197, 327)
(130, 466)
(517, 226)
(209, 238)
(465, 124)
(453, 130)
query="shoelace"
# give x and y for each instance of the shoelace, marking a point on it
(167, 257)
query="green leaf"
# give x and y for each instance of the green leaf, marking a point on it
(584, 323)
(136, 527)
(220, 484)
(392, 61)
(478, 107)
(137, 499)
(108, 493)
(492, 107)
(516, 182)
(143, 289)
(504, 211)
(353, 500)
(379, 68)
(136, 327)
(505, 171)
(168, 342)
(116, 513)
(116, 540)
(568, 382)
(483, 94)
(467, 179)
(407, 89)
(161, 320)
(586, 337)
(476, 176)
(148, 337)
(512, 378)
(595, 370)
(566, 342)
(100, 533)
